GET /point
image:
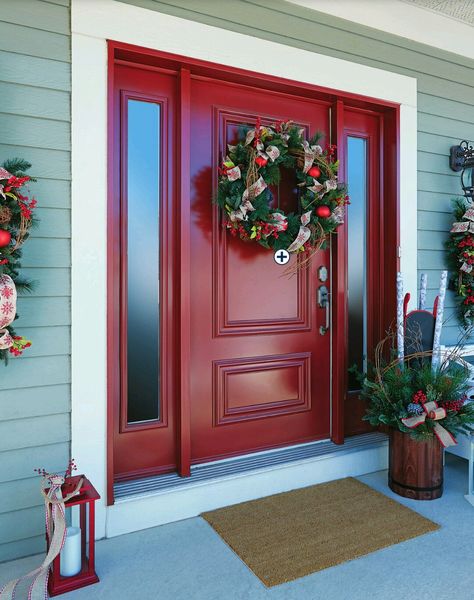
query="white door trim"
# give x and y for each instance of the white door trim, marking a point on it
(93, 23)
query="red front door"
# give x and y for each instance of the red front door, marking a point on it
(259, 364)
(212, 350)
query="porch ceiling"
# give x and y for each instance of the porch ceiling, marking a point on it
(461, 10)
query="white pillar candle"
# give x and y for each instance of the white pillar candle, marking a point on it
(71, 559)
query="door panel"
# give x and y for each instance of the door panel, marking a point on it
(365, 294)
(260, 368)
(259, 374)
(143, 208)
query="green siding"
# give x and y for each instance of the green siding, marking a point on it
(35, 389)
(445, 93)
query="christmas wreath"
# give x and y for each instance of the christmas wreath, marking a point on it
(16, 218)
(252, 167)
(460, 249)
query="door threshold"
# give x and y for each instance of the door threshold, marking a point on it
(245, 465)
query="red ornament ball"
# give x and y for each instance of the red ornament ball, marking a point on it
(314, 172)
(261, 161)
(5, 238)
(323, 211)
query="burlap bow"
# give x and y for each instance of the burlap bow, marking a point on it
(279, 221)
(303, 234)
(436, 413)
(241, 213)
(7, 310)
(310, 153)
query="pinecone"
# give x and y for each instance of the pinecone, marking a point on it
(5, 215)
(415, 409)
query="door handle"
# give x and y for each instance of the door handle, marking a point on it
(323, 302)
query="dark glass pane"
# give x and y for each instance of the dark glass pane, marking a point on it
(357, 214)
(143, 261)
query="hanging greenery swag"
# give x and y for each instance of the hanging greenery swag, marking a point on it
(16, 219)
(460, 258)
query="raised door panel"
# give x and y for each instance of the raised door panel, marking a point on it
(259, 366)
(243, 305)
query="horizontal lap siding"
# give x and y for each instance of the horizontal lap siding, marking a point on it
(35, 389)
(35, 123)
(445, 93)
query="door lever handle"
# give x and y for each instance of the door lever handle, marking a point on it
(324, 329)
(323, 302)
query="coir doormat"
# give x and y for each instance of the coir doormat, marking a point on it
(290, 535)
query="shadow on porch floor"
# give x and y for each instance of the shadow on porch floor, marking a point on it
(189, 561)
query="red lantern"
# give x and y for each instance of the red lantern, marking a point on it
(5, 238)
(78, 552)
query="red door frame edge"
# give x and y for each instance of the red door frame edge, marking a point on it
(184, 185)
(113, 316)
(184, 65)
(339, 314)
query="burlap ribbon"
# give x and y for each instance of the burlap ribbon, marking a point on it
(436, 413)
(303, 234)
(271, 153)
(233, 174)
(279, 221)
(465, 227)
(251, 192)
(241, 213)
(338, 214)
(7, 310)
(17, 589)
(310, 153)
(323, 188)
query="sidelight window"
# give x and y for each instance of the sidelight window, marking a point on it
(142, 218)
(357, 255)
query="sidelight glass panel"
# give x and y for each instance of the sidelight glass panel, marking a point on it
(357, 254)
(143, 261)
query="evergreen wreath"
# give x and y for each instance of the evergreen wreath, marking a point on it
(460, 259)
(252, 167)
(16, 219)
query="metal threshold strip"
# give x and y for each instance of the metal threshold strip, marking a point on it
(246, 465)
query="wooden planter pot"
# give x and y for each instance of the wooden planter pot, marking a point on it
(415, 468)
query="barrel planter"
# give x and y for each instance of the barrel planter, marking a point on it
(415, 468)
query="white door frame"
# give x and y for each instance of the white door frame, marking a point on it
(93, 23)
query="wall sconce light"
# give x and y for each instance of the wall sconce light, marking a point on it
(461, 158)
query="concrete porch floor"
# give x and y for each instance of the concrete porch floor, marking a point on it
(189, 561)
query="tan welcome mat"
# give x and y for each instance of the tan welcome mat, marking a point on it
(290, 535)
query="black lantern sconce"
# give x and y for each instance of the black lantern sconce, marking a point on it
(461, 158)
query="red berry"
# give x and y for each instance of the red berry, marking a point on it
(261, 161)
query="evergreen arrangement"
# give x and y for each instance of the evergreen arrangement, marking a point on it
(253, 166)
(414, 393)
